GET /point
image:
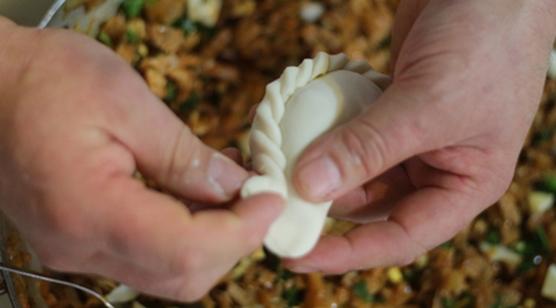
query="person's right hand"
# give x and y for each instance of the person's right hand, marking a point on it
(442, 142)
(75, 123)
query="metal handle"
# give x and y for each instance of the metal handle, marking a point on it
(42, 277)
(51, 12)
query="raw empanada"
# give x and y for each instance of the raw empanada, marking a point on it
(304, 103)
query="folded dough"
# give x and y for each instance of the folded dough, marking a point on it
(304, 103)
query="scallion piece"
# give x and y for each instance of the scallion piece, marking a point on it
(493, 237)
(361, 291)
(190, 103)
(132, 8)
(293, 296)
(132, 37)
(104, 38)
(171, 91)
(548, 183)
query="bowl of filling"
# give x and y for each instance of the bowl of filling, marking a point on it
(210, 60)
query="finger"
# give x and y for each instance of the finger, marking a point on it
(375, 199)
(167, 151)
(394, 128)
(406, 14)
(192, 251)
(194, 205)
(418, 223)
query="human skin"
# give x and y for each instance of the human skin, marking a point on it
(442, 142)
(75, 123)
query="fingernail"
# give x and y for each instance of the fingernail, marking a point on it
(319, 177)
(225, 176)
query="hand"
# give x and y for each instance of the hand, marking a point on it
(442, 142)
(75, 123)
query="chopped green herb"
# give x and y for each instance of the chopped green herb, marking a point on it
(447, 245)
(448, 302)
(283, 274)
(497, 302)
(543, 240)
(520, 247)
(534, 249)
(466, 300)
(528, 263)
(132, 8)
(493, 237)
(542, 136)
(189, 26)
(104, 38)
(186, 25)
(132, 37)
(361, 291)
(547, 184)
(190, 103)
(293, 296)
(171, 91)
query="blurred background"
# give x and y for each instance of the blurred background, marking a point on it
(210, 60)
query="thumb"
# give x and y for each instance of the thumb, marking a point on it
(394, 128)
(167, 151)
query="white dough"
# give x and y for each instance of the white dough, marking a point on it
(302, 105)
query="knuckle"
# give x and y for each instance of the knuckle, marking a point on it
(180, 156)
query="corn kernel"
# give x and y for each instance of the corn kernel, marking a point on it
(143, 50)
(422, 261)
(394, 275)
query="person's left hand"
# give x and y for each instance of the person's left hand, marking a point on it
(76, 123)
